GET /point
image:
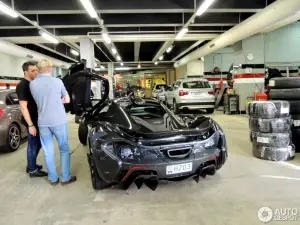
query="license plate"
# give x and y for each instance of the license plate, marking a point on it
(263, 140)
(197, 94)
(179, 168)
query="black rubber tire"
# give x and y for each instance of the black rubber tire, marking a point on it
(296, 138)
(12, 147)
(279, 140)
(83, 133)
(273, 153)
(294, 106)
(251, 136)
(175, 108)
(269, 109)
(285, 94)
(285, 82)
(210, 111)
(278, 125)
(97, 182)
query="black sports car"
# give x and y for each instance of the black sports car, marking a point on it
(136, 140)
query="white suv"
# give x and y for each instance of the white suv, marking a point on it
(158, 92)
(191, 93)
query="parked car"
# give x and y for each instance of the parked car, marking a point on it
(11, 129)
(134, 140)
(191, 93)
(158, 91)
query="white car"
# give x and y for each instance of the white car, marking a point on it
(191, 93)
(158, 92)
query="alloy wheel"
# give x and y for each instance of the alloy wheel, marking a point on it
(14, 137)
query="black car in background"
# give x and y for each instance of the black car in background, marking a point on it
(134, 140)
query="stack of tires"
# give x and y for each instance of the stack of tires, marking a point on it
(270, 134)
(288, 89)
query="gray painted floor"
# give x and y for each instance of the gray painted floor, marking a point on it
(231, 197)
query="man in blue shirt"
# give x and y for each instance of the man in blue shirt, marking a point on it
(50, 94)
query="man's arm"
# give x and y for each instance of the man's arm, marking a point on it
(25, 112)
(64, 94)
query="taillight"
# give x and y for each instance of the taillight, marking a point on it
(183, 93)
(1, 112)
(211, 93)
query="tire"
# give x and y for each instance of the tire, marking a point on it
(210, 111)
(280, 140)
(285, 94)
(175, 108)
(13, 138)
(269, 109)
(273, 154)
(251, 136)
(296, 138)
(83, 133)
(294, 107)
(285, 82)
(279, 125)
(97, 182)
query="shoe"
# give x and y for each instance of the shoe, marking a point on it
(39, 167)
(72, 179)
(54, 183)
(38, 173)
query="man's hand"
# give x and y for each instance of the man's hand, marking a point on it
(33, 131)
(66, 99)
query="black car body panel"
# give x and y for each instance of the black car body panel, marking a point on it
(136, 140)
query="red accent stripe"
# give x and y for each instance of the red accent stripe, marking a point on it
(213, 157)
(131, 170)
(11, 84)
(215, 79)
(249, 75)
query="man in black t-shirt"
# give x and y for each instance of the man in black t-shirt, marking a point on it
(30, 118)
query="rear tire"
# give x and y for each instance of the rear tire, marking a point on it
(13, 138)
(175, 108)
(285, 82)
(210, 111)
(97, 182)
(83, 133)
(285, 94)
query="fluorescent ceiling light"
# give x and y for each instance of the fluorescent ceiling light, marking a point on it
(106, 38)
(102, 67)
(182, 33)
(95, 64)
(74, 52)
(118, 58)
(122, 64)
(204, 6)
(170, 49)
(48, 37)
(89, 8)
(97, 69)
(161, 58)
(8, 11)
(122, 68)
(114, 51)
(139, 66)
(156, 63)
(97, 60)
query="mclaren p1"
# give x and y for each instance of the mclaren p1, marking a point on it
(134, 140)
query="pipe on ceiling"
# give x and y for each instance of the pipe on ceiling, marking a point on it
(267, 17)
(18, 51)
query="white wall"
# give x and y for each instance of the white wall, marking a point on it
(223, 59)
(195, 67)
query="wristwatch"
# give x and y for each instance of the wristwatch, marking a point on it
(31, 125)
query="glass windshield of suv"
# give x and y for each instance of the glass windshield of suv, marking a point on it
(159, 86)
(196, 84)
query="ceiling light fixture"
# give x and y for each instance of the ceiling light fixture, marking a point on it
(89, 8)
(139, 66)
(74, 52)
(8, 11)
(161, 58)
(97, 69)
(122, 64)
(118, 58)
(156, 63)
(182, 33)
(48, 37)
(169, 49)
(204, 6)
(106, 38)
(122, 68)
(102, 67)
(114, 51)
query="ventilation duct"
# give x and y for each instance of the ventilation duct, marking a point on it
(263, 20)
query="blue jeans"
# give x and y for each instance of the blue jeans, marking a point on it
(33, 149)
(61, 135)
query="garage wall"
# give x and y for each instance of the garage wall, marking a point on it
(195, 67)
(181, 72)
(223, 59)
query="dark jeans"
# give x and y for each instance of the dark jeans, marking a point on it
(33, 149)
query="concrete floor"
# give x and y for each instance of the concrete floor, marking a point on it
(232, 196)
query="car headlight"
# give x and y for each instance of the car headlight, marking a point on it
(129, 152)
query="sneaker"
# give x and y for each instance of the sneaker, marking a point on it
(54, 183)
(38, 173)
(72, 179)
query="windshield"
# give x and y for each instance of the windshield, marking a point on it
(196, 84)
(164, 86)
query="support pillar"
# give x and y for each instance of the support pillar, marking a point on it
(87, 52)
(110, 67)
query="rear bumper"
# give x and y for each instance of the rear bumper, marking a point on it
(196, 105)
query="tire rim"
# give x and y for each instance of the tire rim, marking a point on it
(14, 137)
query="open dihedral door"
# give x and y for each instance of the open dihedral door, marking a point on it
(78, 84)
